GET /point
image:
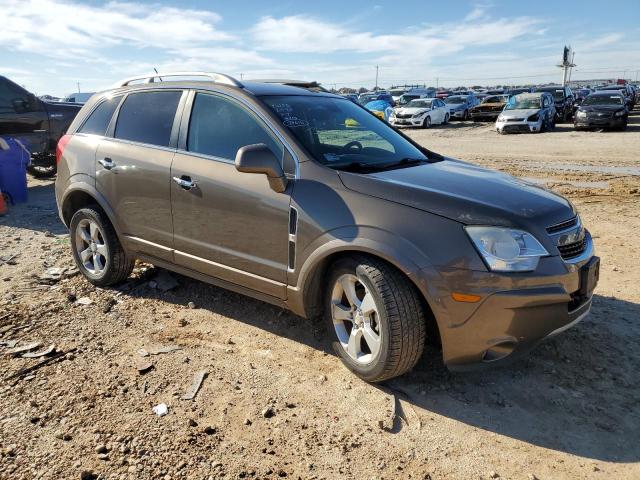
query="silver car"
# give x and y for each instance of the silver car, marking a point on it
(527, 113)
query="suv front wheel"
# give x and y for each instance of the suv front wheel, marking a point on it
(96, 248)
(375, 318)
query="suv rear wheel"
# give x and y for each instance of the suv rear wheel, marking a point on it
(96, 248)
(375, 318)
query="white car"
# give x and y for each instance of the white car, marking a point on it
(422, 112)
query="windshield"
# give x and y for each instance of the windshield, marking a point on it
(396, 93)
(341, 135)
(419, 104)
(558, 93)
(523, 103)
(404, 99)
(455, 100)
(603, 100)
(494, 99)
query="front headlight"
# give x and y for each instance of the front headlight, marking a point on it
(506, 249)
(501, 118)
(619, 113)
(419, 114)
(581, 114)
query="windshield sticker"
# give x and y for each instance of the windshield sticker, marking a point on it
(293, 122)
(331, 157)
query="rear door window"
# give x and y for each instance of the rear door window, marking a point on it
(99, 119)
(147, 117)
(219, 127)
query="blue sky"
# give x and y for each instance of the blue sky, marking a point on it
(49, 45)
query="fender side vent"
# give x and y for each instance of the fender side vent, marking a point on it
(292, 254)
(293, 221)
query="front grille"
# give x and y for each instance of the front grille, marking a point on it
(515, 120)
(572, 222)
(573, 250)
(404, 115)
(516, 128)
(599, 116)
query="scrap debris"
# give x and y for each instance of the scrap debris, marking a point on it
(161, 410)
(23, 349)
(195, 386)
(157, 350)
(42, 353)
(52, 359)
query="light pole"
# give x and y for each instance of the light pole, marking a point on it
(376, 77)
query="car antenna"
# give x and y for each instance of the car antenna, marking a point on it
(156, 70)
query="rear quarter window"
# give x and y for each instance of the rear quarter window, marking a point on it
(99, 119)
(147, 117)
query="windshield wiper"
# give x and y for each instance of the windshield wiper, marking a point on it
(358, 167)
(405, 162)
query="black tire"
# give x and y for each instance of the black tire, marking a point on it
(465, 115)
(118, 265)
(426, 123)
(40, 171)
(401, 318)
(446, 119)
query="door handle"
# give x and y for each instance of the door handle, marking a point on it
(185, 182)
(107, 163)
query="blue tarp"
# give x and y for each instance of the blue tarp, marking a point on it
(14, 158)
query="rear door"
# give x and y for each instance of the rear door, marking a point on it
(133, 166)
(229, 225)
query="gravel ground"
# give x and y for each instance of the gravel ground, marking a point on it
(275, 403)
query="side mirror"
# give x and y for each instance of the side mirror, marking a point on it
(259, 158)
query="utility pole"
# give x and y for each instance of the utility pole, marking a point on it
(376, 77)
(78, 83)
(241, 75)
(437, 82)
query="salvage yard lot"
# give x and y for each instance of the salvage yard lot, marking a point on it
(276, 404)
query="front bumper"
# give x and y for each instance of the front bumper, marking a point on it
(516, 311)
(522, 126)
(406, 122)
(456, 113)
(610, 122)
(488, 115)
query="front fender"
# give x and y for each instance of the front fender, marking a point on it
(392, 248)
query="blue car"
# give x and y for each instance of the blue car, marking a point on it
(380, 108)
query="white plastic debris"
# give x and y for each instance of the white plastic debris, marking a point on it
(161, 410)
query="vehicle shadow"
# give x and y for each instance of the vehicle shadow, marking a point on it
(39, 213)
(573, 394)
(577, 393)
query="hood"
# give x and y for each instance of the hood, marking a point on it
(456, 106)
(489, 106)
(520, 113)
(467, 194)
(63, 107)
(601, 108)
(411, 110)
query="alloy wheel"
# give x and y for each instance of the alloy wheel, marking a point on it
(356, 319)
(91, 247)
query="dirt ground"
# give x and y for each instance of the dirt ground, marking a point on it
(276, 404)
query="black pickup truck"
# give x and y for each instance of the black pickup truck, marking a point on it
(37, 124)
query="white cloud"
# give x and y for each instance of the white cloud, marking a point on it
(55, 27)
(305, 34)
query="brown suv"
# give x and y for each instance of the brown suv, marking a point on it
(348, 219)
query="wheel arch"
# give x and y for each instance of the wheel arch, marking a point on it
(306, 298)
(80, 195)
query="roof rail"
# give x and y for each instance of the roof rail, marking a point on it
(212, 76)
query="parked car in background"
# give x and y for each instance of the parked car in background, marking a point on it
(408, 97)
(422, 112)
(380, 108)
(365, 98)
(396, 93)
(527, 113)
(80, 97)
(460, 105)
(351, 96)
(36, 123)
(518, 91)
(626, 91)
(489, 108)
(563, 99)
(602, 109)
(381, 239)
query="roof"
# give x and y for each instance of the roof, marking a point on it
(605, 92)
